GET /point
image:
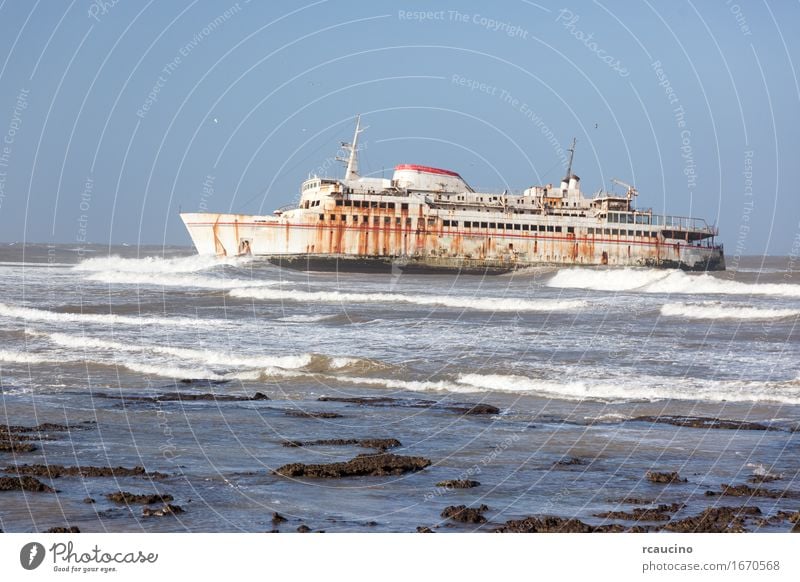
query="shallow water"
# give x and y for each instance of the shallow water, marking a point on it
(569, 356)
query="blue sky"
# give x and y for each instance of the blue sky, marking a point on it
(113, 116)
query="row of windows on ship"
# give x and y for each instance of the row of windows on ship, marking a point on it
(398, 221)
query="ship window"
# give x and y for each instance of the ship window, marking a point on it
(382, 205)
(638, 233)
(590, 230)
(339, 202)
(558, 229)
(397, 220)
(615, 231)
(348, 202)
(517, 227)
(373, 204)
(357, 203)
(390, 204)
(492, 225)
(343, 218)
(612, 217)
(322, 217)
(408, 221)
(630, 233)
(571, 229)
(550, 229)
(525, 227)
(509, 226)
(333, 217)
(387, 219)
(376, 220)
(445, 223)
(484, 224)
(642, 219)
(404, 206)
(454, 223)
(365, 219)
(607, 231)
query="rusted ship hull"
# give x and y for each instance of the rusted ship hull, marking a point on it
(379, 240)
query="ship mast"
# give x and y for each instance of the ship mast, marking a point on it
(351, 173)
(571, 151)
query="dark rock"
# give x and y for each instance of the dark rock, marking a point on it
(126, 498)
(278, 518)
(55, 471)
(465, 514)
(364, 400)
(63, 529)
(632, 501)
(715, 520)
(45, 427)
(303, 529)
(766, 478)
(88, 500)
(796, 528)
(660, 513)
(570, 462)
(475, 409)
(308, 414)
(424, 529)
(370, 443)
(545, 525)
(704, 422)
(14, 446)
(372, 465)
(747, 491)
(668, 477)
(458, 484)
(192, 397)
(167, 509)
(25, 483)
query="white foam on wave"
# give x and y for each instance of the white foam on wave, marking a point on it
(304, 318)
(45, 316)
(152, 265)
(14, 357)
(209, 357)
(505, 304)
(173, 280)
(642, 389)
(666, 281)
(710, 310)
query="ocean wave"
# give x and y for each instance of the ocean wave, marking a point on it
(153, 265)
(666, 281)
(648, 389)
(46, 316)
(305, 318)
(172, 280)
(14, 357)
(717, 311)
(505, 304)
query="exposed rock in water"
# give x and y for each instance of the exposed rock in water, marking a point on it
(660, 513)
(278, 518)
(310, 414)
(458, 484)
(55, 471)
(126, 498)
(369, 443)
(570, 462)
(796, 528)
(704, 422)
(424, 529)
(545, 525)
(24, 483)
(191, 396)
(747, 491)
(15, 446)
(667, 477)
(303, 529)
(167, 509)
(63, 529)
(45, 427)
(765, 478)
(632, 501)
(715, 520)
(88, 500)
(364, 400)
(475, 409)
(465, 514)
(372, 465)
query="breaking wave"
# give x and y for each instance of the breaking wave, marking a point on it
(45, 316)
(12, 357)
(306, 318)
(667, 281)
(710, 310)
(171, 280)
(152, 265)
(479, 304)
